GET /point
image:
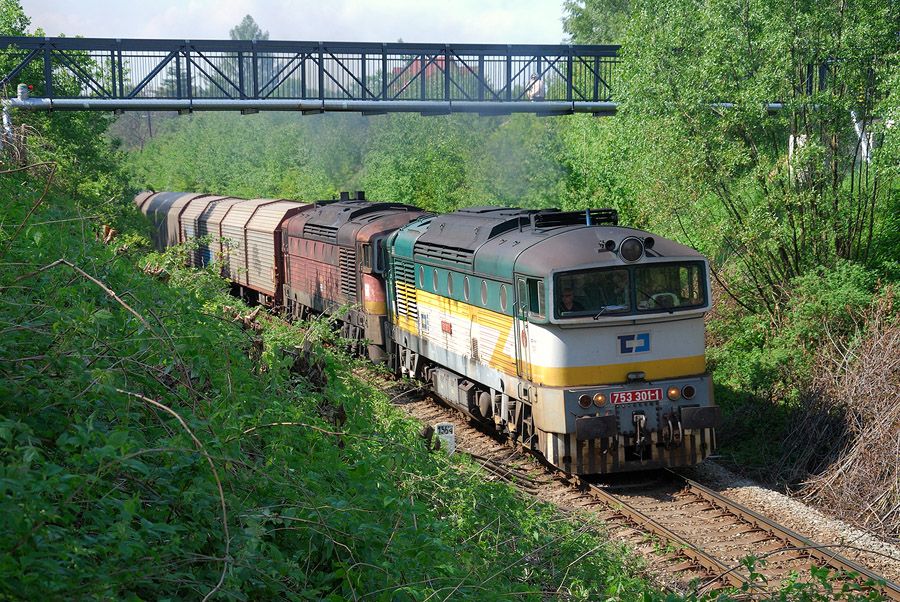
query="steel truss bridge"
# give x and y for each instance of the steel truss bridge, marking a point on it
(312, 77)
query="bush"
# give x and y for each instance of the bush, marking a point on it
(856, 391)
(772, 357)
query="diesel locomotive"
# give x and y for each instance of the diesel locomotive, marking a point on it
(580, 338)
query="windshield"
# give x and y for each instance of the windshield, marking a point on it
(627, 290)
(592, 292)
(669, 286)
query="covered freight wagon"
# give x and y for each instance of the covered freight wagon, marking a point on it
(251, 244)
(191, 227)
(174, 233)
(209, 224)
(156, 207)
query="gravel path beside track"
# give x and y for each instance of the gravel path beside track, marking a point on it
(873, 552)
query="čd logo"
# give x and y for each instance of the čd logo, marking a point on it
(634, 343)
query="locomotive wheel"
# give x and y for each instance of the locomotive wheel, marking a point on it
(485, 407)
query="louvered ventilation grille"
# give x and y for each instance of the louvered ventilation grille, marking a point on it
(442, 253)
(326, 233)
(598, 217)
(347, 258)
(405, 275)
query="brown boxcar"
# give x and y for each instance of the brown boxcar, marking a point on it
(174, 233)
(264, 247)
(210, 224)
(234, 264)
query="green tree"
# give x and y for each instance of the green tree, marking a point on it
(594, 155)
(421, 161)
(13, 21)
(596, 21)
(518, 163)
(248, 29)
(771, 194)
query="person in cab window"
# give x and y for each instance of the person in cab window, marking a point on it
(568, 303)
(535, 90)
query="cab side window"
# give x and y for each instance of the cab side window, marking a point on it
(521, 298)
(379, 255)
(536, 298)
(530, 296)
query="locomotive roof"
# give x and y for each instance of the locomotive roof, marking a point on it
(326, 220)
(467, 229)
(574, 247)
(497, 241)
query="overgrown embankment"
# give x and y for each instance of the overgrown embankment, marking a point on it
(812, 395)
(152, 447)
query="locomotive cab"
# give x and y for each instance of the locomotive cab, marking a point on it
(616, 356)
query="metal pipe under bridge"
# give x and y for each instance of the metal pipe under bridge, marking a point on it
(98, 74)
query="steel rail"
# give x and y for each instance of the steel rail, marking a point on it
(694, 553)
(734, 575)
(731, 574)
(833, 559)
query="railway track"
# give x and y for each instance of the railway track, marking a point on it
(694, 539)
(719, 534)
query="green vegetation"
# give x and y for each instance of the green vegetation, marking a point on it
(153, 447)
(801, 226)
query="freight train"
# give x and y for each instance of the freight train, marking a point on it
(579, 338)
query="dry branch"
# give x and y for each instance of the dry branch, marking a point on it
(84, 274)
(861, 383)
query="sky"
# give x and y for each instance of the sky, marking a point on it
(445, 21)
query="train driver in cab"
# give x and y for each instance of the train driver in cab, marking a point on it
(568, 303)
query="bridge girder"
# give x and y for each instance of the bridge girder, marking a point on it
(191, 75)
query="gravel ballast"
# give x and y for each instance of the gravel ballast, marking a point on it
(864, 548)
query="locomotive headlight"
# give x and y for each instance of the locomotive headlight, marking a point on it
(584, 401)
(688, 391)
(674, 393)
(599, 399)
(631, 249)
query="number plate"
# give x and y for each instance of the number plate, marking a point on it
(636, 396)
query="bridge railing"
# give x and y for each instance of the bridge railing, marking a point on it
(86, 68)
